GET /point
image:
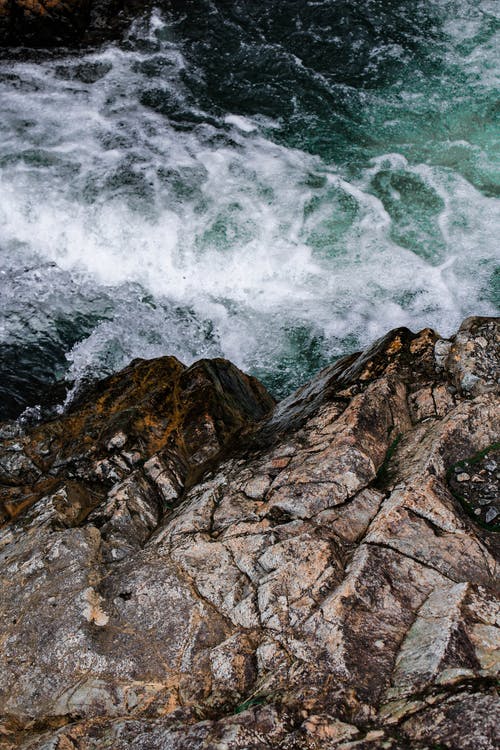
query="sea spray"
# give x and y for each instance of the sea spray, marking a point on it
(276, 189)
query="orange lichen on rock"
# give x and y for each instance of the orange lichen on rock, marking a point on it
(152, 406)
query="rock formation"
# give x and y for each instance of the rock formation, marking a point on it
(53, 23)
(186, 565)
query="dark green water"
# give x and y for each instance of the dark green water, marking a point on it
(278, 183)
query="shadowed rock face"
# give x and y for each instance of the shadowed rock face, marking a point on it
(186, 565)
(53, 23)
(154, 414)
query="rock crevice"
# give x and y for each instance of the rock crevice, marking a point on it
(186, 564)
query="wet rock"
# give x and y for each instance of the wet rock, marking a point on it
(186, 565)
(56, 23)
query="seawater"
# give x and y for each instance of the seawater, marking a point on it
(277, 183)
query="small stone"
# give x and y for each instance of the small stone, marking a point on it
(93, 611)
(256, 488)
(117, 441)
(468, 382)
(118, 553)
(132, 457)
(441, 351)
(491, 514)
(486, 500)
(463, 477)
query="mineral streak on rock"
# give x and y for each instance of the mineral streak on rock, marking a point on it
(185, 564)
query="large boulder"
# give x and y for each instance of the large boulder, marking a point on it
(185, 565)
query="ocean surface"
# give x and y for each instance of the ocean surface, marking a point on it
(277, 183)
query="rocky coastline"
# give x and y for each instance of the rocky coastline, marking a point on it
(187, 564)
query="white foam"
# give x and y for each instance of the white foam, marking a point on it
(243, 123)
(240, 240)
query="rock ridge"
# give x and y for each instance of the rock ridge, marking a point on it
(187, 564)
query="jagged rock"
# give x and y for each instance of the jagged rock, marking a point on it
(131, 440)
(186, 565)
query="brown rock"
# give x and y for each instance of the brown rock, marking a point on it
(185, 565)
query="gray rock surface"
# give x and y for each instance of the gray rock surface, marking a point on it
(185, 565)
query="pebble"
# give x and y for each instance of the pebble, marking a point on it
(486, 500)
(117, 441)
(491, 515)
(463, 477)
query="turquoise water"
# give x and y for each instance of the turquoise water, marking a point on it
(276, 183)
